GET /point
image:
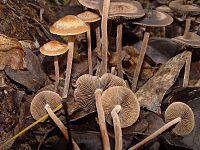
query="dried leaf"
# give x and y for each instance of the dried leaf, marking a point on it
(151, 94)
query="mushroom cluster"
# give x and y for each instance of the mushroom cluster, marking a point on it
(112, 96)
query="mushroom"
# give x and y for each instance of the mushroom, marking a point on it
(86, 85)
(119, 10)
(120, 105)
(43, 103)
(178, 114)
(54, 48)
(183, 8)
(89, 17)
(152, 19)
(69, 26)
(188, 40)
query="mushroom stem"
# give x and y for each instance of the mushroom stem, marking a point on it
(89, 49)
(56, 66)
(113, 70)
(187, 70)
(104, 23)
(140, 61)
(69, 65)
(98, 37)
(117, 127)
(101, 120)
(187, 25)
(60, 125)
(119, 49)
(156, 133)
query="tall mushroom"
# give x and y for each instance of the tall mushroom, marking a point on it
(69, 26)
(178, 114)
(121, 109)
(54, 48)
(152, 19)
(188, 41)
(121, 10)
(42, 104)
(89, 17)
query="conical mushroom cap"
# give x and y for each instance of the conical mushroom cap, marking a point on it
(126, 99)
(184, 9)
(155, 19)
(89, 17)
(40, 100)
(128, 9)
(179, 109)
(190, 39)
(54, 48)
(88, 84)
(69, 25)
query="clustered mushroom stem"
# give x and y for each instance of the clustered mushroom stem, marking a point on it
(98, 37)
(119, 49)
(89, 49)
(117, 127)
(140, 61)
(187, 70)
(104, 23)
(69, 65)
(56, 66)
(101, 120)
(60, 125)
(156, 133)
(57, 121)
(187, 25)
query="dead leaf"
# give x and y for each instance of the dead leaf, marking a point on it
(151, 94)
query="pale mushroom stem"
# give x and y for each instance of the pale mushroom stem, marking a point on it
(117, 127)
(69, 65)
(104, 23)
(89, 49)
(113, 70)
(187, 70)
(101, 120)
(187, 25)
(140, 61)
(56, 66)
(156, 133)
(98, 38)
(60, 125)
(119, 49)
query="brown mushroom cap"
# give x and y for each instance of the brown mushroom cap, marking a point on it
(89, 17)
(189, 40)
(93, 4)
(155, 18)
(179, 109)
(128, 9)
(164, 9)
(69, 25)
(184, 9)
(87, 85)
(40, 100)
(53, 48)
(124, 97)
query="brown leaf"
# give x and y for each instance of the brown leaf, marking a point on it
(151, 94)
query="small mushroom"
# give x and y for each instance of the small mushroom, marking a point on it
(120, 10)
(178, 114)
(89, 17)
(152, 19)
(120, 105)
(54, 48)
(42, 104)
(188, 40)
(69, 26)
